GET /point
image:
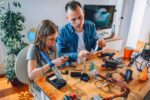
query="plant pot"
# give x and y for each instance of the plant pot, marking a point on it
(15, 82)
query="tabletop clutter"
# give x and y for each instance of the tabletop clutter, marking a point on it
(104, 82)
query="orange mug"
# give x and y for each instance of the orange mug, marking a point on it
(128, 52)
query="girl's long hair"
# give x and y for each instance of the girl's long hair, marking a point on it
(45, 29)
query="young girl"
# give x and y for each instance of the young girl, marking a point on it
(46, 35)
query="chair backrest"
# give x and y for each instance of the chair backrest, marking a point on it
(21, 66)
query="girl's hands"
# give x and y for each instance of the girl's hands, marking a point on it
(60, 61)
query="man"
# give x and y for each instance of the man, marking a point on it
(78, 37)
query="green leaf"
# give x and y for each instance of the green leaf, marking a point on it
(19, 5)
(11, 25)
(15, 3)
(3, 7)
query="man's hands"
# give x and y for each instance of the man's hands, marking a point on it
(84, 54)
(101, 43)
(60, 61)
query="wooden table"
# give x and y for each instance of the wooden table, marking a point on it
(87, 89)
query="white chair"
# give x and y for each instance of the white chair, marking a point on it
(21, 66)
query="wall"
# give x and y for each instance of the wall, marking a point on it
(117, 17)
(128, 6)
(50, 9)
(136, 22)
(115, 45)
(145, 27)
(37, 10)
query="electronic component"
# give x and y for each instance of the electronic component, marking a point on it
(112, 64)
(146, 52)
(58, 83)
(127, 76)
(75, 74)
(84, 77)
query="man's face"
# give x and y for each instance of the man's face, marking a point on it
(76, 18)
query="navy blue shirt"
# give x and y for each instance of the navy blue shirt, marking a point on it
(67, 40)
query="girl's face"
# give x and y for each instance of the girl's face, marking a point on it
(51, 40)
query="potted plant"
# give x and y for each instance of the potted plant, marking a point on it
(11, 25)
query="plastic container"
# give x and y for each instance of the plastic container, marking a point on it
(128, 52)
